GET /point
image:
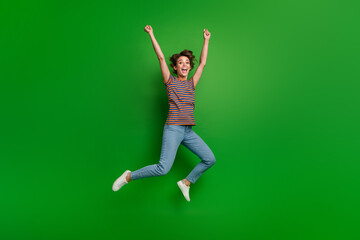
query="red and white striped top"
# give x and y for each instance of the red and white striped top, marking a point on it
(181, 95)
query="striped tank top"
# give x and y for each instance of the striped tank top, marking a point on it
(181, 95)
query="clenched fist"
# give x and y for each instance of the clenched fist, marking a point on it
(206, 34)
(148, 29)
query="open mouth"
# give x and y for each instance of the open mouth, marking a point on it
(184, 70)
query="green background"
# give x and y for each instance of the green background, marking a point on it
(82, 100)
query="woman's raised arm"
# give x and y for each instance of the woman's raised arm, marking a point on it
(203, 57)
(164, 68)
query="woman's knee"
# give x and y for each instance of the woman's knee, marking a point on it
(162, 171)
(211, 160)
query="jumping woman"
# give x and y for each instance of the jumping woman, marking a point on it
(178, 127)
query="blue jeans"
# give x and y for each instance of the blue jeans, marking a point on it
(173, 135)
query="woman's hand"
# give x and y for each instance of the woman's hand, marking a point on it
(148, 29)
(206, 34)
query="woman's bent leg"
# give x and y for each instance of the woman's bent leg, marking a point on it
(196, 145)
(170, 143)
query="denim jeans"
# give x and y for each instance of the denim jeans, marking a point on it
(173, 135)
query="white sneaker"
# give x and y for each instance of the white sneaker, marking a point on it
(184, 189)
(121, 181)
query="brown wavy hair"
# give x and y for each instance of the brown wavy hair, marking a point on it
(186, 53)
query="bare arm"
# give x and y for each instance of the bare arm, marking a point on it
(203, 57)
(164, 68)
